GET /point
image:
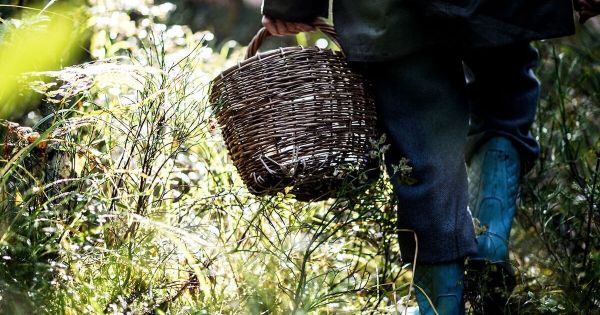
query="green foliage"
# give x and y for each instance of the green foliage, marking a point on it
(46, 40)
(120, 198)
(559, 238)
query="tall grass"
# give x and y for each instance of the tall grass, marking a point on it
(121, 199)
(117, 195)
(558, 244)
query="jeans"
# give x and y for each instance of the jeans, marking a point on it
(437, 107)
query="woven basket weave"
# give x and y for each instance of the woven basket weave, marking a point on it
(295, 116)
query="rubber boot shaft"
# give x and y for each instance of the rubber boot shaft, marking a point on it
(494, 183)
(442, 284)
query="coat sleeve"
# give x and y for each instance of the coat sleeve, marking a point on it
(295, 10)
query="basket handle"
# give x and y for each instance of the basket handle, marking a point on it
(262, 34)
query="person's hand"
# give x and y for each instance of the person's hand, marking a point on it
(587, 9)
(281, 28)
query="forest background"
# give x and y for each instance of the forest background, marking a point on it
(117, 195)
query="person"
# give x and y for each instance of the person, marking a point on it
(453, 82)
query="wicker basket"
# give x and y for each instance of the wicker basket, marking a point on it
(296, 117)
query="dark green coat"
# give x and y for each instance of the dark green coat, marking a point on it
(386, 29)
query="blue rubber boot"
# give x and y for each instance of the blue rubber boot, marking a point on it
(493, 183)
(442, 284)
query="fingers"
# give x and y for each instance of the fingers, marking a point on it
(281, 28)
(587, 9)
(305, 27)
(269, 25)
(293, 28)
(585, 15)
(590, 4)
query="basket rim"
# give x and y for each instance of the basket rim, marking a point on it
(264, 56)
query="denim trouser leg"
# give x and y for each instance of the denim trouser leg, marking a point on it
(503, 92)
(422, 106)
